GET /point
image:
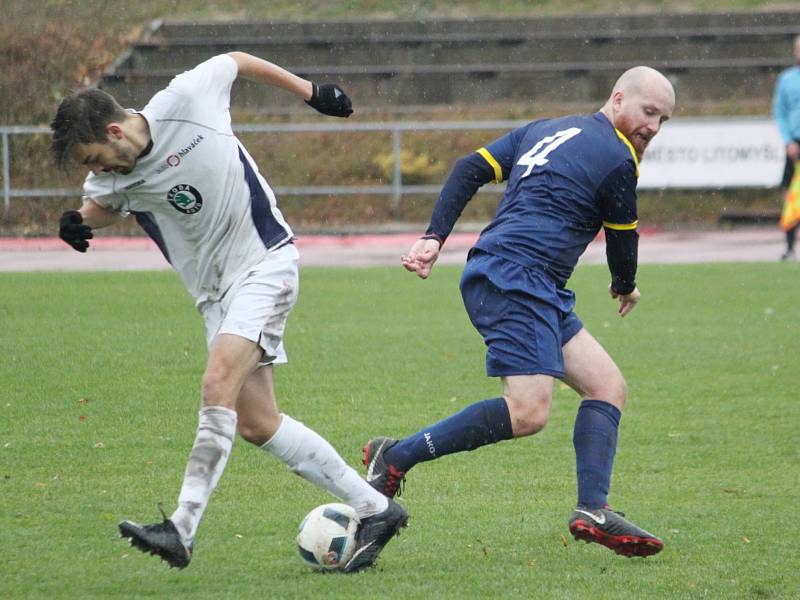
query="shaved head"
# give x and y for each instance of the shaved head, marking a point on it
(641, 100)
(637, 80)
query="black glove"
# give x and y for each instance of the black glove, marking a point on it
(72, 230)
(329, 99)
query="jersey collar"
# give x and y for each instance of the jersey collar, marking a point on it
(630, 147)
(625, 140)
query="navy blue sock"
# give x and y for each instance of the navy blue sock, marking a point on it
(595, 441)
(485, 422)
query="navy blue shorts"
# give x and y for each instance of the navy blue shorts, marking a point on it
(523, 317)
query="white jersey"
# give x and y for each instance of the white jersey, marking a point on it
(198, 193)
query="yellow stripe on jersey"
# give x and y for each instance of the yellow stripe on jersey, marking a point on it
(621, 226)
(630, 147)
(498, 170)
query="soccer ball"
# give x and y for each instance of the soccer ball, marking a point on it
(326, 538)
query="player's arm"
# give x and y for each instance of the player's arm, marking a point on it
(490, 164)
(781, 110)
(75, 226)
(620, 221)
(328, 98)
(468, 175)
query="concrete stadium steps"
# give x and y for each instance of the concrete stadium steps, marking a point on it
(616, 23)
(465, 48)
(709, 57)
(459, 84)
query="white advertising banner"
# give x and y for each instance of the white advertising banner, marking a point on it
(714, 153)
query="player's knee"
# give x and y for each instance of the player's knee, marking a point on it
(616, 392)
(216, 387)
(529, 415)
(622, 393)
(612, 389)
(529, 423)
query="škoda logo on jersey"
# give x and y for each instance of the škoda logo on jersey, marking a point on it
(185, 198)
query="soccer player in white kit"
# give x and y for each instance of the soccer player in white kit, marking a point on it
(177, 167)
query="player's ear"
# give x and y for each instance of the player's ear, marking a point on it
(617, 99)
(114, 131)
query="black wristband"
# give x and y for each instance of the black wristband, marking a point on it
(629, 289)
(433, 236)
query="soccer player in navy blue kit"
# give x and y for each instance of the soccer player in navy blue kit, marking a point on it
(567, 178)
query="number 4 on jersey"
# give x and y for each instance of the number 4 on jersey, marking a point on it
(537, 156)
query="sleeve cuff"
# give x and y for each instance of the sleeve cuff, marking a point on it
(433, 236)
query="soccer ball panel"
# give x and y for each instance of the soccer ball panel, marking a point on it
(326, 537)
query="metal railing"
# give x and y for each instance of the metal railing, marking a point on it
(395, 188)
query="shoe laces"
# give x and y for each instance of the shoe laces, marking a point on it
(395, 481)
(190, 544)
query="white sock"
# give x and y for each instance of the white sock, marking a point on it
(207, 461)
(306, 453)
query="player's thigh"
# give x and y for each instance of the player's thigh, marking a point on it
(257, 407)
(257, 305)
(231, 360)
(528, 389)
(591, 371)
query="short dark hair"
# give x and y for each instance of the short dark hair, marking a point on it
(81, 119)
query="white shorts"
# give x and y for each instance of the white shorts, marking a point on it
(257, 304)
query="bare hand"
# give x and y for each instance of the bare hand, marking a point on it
(626, 301)
(421, 257)
(793, 150)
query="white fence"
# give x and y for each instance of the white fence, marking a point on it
(688, 153)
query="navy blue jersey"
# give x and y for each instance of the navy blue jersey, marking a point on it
(567, 178)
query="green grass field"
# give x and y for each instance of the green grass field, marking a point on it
(100, 387)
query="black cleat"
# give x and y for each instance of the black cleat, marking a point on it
(381, 476)
(161, 539)
(612, 530)
(373, 534)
